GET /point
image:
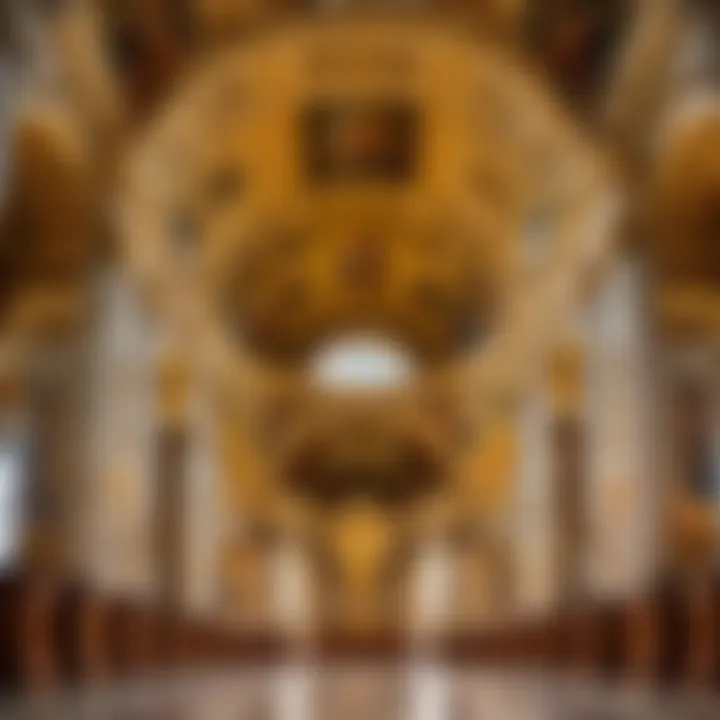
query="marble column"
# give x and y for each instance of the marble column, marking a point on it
(120, 441)
(171, 502)
(569, 484)
(622, 505)
(534, 510)
(430, 594)
(551, 486)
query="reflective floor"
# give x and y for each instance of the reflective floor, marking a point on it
(364, 692)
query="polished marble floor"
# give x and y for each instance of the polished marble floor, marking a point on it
(367, 692)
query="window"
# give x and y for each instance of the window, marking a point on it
(362, 364)
(11, 489)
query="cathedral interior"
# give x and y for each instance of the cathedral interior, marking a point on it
(360, 358)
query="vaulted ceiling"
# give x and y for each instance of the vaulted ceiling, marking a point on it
(407, 180)
(394, 180)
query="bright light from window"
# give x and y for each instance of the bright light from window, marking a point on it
(9, 507)
(362, 364)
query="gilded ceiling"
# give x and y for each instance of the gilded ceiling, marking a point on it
(395, 180)
(402, 183)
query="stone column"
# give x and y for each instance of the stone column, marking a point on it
(171, 491)
(569, 483)
(120, 441)
(205, 516)
(534, 507)
(691, 490)
(293, 591)
(431, 593)
(622, 505)
(56, 473)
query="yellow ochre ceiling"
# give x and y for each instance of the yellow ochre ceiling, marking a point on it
(252, 230)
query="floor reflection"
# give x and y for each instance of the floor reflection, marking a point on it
(421, 691)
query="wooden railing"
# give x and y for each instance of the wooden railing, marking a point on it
(670, 636)
(63, 635)
(57, 635)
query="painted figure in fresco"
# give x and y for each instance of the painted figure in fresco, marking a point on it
(361, 143)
